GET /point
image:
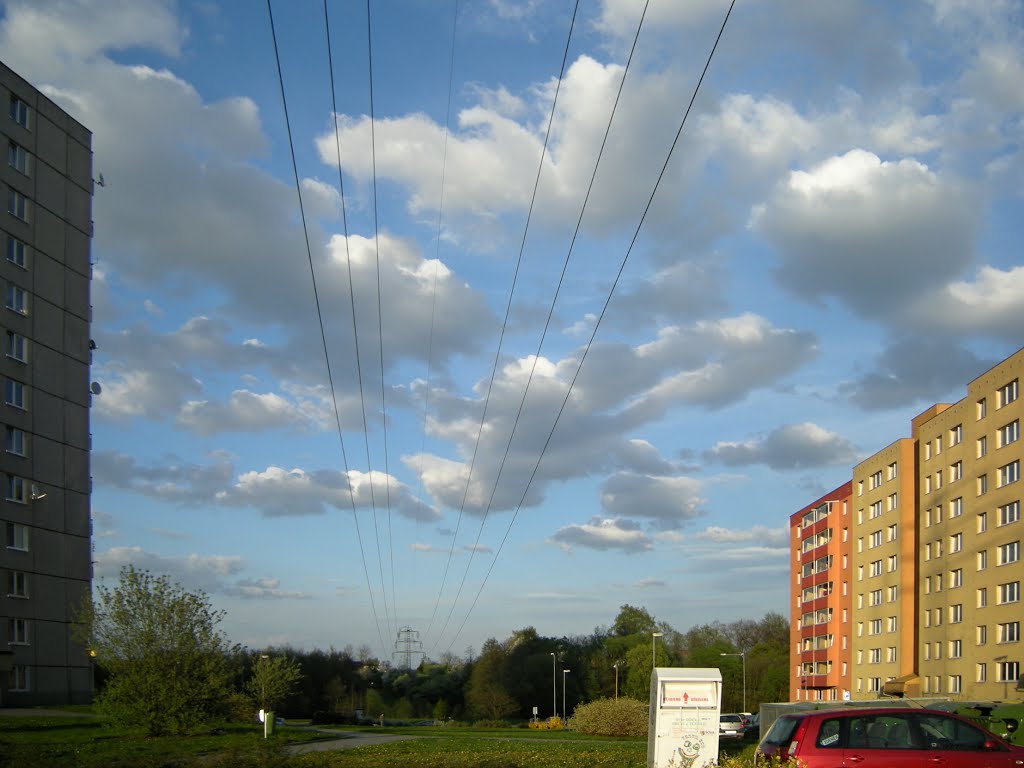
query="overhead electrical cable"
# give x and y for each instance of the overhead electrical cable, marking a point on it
(437, 260)
(320, 318)
(504, 324)
(554, 298)
(600, 318)
(380, 340)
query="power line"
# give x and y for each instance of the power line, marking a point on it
(600, 317)
(504, 325)
(437, 259)
(319, 314)
(380, 340)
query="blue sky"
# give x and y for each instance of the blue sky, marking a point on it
(835, 246)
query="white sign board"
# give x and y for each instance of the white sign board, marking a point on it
(683, 727)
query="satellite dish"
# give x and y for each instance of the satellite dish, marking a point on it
(95, 388)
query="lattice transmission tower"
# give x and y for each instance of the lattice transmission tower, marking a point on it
(407, 645)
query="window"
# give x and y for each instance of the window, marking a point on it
(1009, 592)
(892, 471)
(16, 489)
(875, 540)
(938, 617)
(891, 623)
(891, 533)
(956, 649)
(956, 542)
(956, 471)
(15, 441)
(956, 613)
(876, 509)
(16, 251)
(982, 522)
(17, 157)
(1009, 671)
(982, 446)
(956, 435)
(1009, 473)
(938, 445)
(928, 484)
(874, 684)
(982, 634)
(955, 682)
(982, 560)
(890, 654)
(17, 632)
(1007, 393)
(15, 393)
(956, 578)
(1009, 553)
(1009, 433)
(982, 408)
(876, 479)
(938, 480)
(938, 582)
(981, 672)
(893, 592)
(956, 507)
(17, 299)
(17, 347)
(875, 627)
(875, 597)
(876, 568)
(19, 679)
(17, 204)
(982, 597)
(891, 563)
(17, 537)
(927, 450)
(19, 111)
(1009, 632)
(1009, 513)
(892, 501)
(982, 485)
(875, 656)
(17, 584)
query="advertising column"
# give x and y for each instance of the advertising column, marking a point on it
(683, 727)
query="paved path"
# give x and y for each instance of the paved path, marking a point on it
(32, 712)
(349, 740)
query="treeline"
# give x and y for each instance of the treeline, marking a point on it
(509, 678)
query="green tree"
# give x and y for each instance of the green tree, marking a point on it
(166, 659)
(273, 680)
(633, 621)
(486, 695)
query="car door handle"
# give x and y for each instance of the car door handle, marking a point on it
(855, 759)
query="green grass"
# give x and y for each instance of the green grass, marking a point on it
(79, 742)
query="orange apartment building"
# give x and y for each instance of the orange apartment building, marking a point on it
(820, 596)
(910, 583)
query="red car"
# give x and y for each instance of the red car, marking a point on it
(885, 737)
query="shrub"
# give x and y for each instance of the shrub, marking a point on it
(492, 724)
(551, 724)
(611, 717)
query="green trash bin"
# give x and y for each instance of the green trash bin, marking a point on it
(269, 723)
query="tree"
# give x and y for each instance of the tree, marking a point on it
(486, 695)
(632, 621)
(167, 661)
(273, 680)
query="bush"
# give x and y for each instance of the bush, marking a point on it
(611, 717)
(492, 724)
(551, 724)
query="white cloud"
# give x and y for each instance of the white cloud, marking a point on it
(872, 233)
(991, 304)
(602, 534)
(790, 446)
(667, 501)
(775, 538)
(209, 573)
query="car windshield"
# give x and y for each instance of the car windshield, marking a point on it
(782, 730)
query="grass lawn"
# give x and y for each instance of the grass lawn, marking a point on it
(63, 742)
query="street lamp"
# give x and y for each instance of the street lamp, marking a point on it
(743, 658)
(554, 687)
(616, 665)
(565, 711)
(654, 655)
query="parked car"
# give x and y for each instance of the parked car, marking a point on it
(731, 726)
(885, 737)
(752, 727)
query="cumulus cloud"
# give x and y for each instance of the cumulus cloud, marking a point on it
(760, 534)
(263, 589)
(873, 234)
(667, 501)
(990, 304)
(602, 534)
(791, 446)
(210, 573)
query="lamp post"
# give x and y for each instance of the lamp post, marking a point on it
(654, 654)
(743, 658)
(565, 712)
(616, 666)
(554, 687)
